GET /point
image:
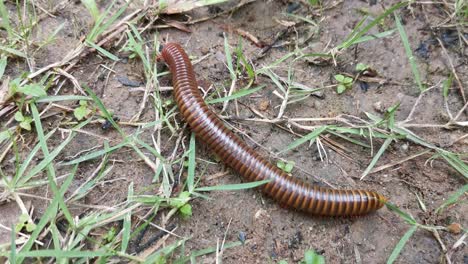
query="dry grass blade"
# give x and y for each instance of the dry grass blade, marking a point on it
(180, 6)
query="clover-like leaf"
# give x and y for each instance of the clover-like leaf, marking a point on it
(360, 67)
(347, 81)
(19, 116)
(340, 88)
(289, 166)
(339, 78)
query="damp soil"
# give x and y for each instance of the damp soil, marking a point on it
(271, 232)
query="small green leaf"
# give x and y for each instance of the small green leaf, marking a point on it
(19, 116)
(18, 227)
(340, 88)
(26, 123)
(347, 81)
(23, 218)
(360, 67)
(4, 135)
(280, 164)
(110, 235)
(339, 78)
(30, 227)
(310, 257)
(289, 166)
(82, 111)
(186, 211)
(33, 89)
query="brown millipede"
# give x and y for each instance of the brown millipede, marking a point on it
(287, 190)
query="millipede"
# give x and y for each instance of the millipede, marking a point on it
(286, 190)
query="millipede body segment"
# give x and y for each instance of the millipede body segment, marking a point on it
(283, 188)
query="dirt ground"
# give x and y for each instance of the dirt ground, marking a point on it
(274, 233)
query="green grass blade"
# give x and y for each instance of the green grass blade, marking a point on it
(396, 251)
(238, 94)
(375, 36)
(29, 158)
(127, 222)
(455, 162)
(453, 198)
(352, 140)
(157, 257)
(46, 161)
(102, 51)
(12, 258)
(311, 136)
(227, 51)
(267, 68)
(50, 168)
(302, 18)
(64, 253)
(14, 52)
(96, 154)
(232, 187)
(377, 157)
(352, 40)
(137, 47)
(3, 64)
(48, 215)
(409, 53)
(100, 26)
(103, 109)
(56, 241)
(407, 217)
(205, 251)
(92, 8)
(148, 147)
(5, 19)
(191, 165)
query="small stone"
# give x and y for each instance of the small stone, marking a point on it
(263, 105)
(204, 50)
(261, 213)
(378, 107)
(454, 228)
(404, 147)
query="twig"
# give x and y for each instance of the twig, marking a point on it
(22, 234)
(460, 86)
(75, 82)
(456, 245)
(392, 164)
(410, 115)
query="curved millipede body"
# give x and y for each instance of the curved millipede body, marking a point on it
(286, 190)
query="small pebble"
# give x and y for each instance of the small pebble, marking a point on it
(263, 105)
(204, 50)
(378, 107)
(404, 147)
(242, 236)
(455, 228)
